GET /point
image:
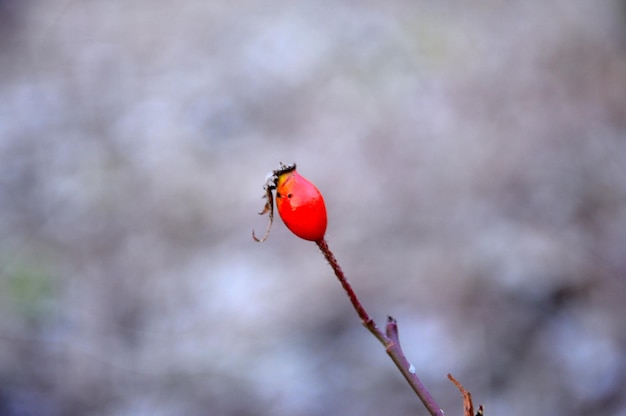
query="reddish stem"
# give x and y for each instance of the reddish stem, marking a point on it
(389, 339)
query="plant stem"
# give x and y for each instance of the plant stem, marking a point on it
(389, 338)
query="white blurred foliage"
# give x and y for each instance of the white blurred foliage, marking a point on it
(472, 161)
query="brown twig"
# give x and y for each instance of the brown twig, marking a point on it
(389, 338)
(468, 405)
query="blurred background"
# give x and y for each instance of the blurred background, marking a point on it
(473, 161)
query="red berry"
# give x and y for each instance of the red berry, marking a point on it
(301, 205)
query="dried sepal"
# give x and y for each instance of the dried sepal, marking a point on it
(268, 208)
(270, 185)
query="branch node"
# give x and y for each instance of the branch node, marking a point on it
(390, 345)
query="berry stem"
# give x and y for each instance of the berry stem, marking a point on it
(389, 338)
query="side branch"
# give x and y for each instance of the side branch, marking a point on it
(407, 369)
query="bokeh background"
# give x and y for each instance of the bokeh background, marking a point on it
(473, 160)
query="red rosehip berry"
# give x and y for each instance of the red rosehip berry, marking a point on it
(300, 204)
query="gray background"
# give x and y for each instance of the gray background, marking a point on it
(473, 160)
